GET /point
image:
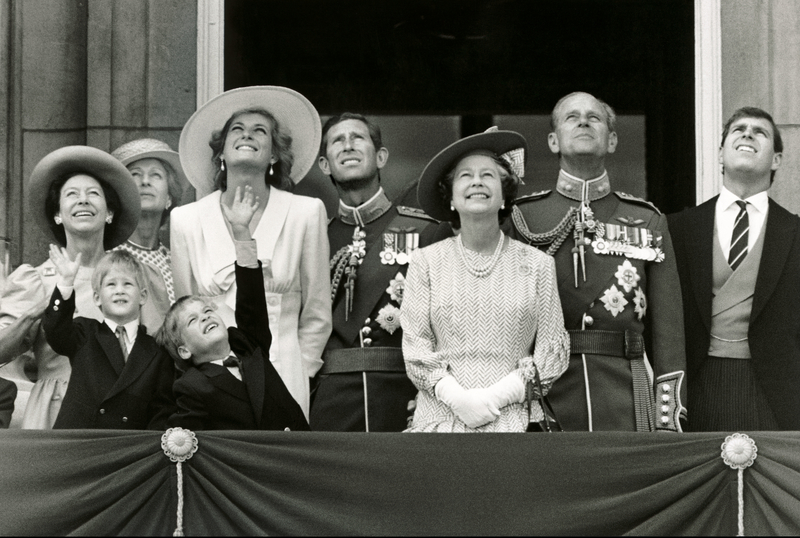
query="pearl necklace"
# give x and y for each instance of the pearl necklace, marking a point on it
(484, 270)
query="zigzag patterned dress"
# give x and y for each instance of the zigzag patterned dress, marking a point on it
(478, 329)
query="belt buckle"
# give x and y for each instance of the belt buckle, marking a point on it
(634, 345)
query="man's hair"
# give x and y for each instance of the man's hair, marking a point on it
(508, 180)
(611, 116)
(118, 259)
(169, 336)
(755, 112)
(374, 130)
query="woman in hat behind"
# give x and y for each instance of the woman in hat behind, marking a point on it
(475, 304)
(265, 137)
(158, 174)
(86, 201)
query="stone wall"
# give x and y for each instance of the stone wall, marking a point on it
(95, 72)
(761, 67)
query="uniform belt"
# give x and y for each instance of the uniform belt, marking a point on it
(363, 359)
(625, 344)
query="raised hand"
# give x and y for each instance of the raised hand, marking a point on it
(244, 206)
(65, 266)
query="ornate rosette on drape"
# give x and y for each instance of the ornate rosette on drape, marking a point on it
(739, 452)
(179, 445)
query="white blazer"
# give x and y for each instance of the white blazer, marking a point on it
(294, 251)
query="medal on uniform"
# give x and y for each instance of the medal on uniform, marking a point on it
(631, 242)
(398, 244)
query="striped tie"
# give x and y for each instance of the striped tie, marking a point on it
(739, 238)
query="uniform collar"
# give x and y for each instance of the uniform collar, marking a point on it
(366, 212)
(583, 189)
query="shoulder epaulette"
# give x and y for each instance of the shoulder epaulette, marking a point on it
(533, 196)
(636, 200)
(415, 213)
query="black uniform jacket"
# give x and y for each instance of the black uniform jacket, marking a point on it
(774, 333)
(105, 391)
(209, 397)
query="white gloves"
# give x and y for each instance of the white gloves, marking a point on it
(476, 407)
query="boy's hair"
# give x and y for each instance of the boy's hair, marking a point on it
(121, 259)
(169, 336)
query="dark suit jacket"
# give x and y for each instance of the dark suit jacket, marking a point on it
(8, 393)
(209, 397)
(105, 391)
(774, 333)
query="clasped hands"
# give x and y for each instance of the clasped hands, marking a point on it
(479, 406)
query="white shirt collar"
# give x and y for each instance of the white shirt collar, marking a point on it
(759, 201)
(131, 329)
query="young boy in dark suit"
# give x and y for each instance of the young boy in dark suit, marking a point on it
(228, 382)
(121, 378)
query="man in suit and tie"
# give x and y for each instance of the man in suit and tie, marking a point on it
(362, 385)
(738, 258)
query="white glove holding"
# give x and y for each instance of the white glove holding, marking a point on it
(508, 390)
(474, 406)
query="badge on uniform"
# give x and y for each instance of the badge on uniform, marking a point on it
(631, 242)
(398, 244)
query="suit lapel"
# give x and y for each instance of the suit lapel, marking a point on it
(699, 242)
(143, 353)
(221, 378)
(779, 231)
(269, 227)
(215, 234)
(111, 348)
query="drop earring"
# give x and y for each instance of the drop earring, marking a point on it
(270, 169)
(503, 206)
(452, 208)
(222, 164)
(58, 220)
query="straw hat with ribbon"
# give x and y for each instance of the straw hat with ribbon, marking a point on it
(295, 114)
(72, 160)
(509, 145)
(150, 148)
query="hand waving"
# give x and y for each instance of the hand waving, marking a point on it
(66, 267)
(241, 211)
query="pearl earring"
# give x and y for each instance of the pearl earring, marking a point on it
(58, 220)
(109, 219)
(503, 206)
(270, 169)
(222, 164)
(452, 208)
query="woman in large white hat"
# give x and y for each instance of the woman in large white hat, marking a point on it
(158, 174)
(265, 137)
(475, 304)
(87, 202)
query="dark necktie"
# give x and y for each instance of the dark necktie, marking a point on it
(120, 332)
(741, 229)
(233, 361)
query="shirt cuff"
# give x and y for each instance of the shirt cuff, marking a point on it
(65, 291)
(246, 253)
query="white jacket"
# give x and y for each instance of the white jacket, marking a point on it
(294, 251)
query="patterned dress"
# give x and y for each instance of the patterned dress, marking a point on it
(479, 329)
(158, 273)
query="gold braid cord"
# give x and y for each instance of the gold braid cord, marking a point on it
(179, 445)
(554, 237)
(338, 264)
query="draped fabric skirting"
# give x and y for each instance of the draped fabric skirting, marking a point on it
(120, 483)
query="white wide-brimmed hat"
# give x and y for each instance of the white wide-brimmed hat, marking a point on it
(295, 114)
(71, 160)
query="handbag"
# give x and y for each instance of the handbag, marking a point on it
(549, 422)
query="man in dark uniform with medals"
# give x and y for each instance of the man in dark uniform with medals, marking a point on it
(616, 275)
(362, 385)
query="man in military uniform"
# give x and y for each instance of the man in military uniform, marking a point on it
(362, 385)
(616, 275)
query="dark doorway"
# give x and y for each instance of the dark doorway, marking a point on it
(477, 59)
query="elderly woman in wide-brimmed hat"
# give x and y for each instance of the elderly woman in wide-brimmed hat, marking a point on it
(479, 309)
(265, 138)
(86, 201)
(158, 174)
